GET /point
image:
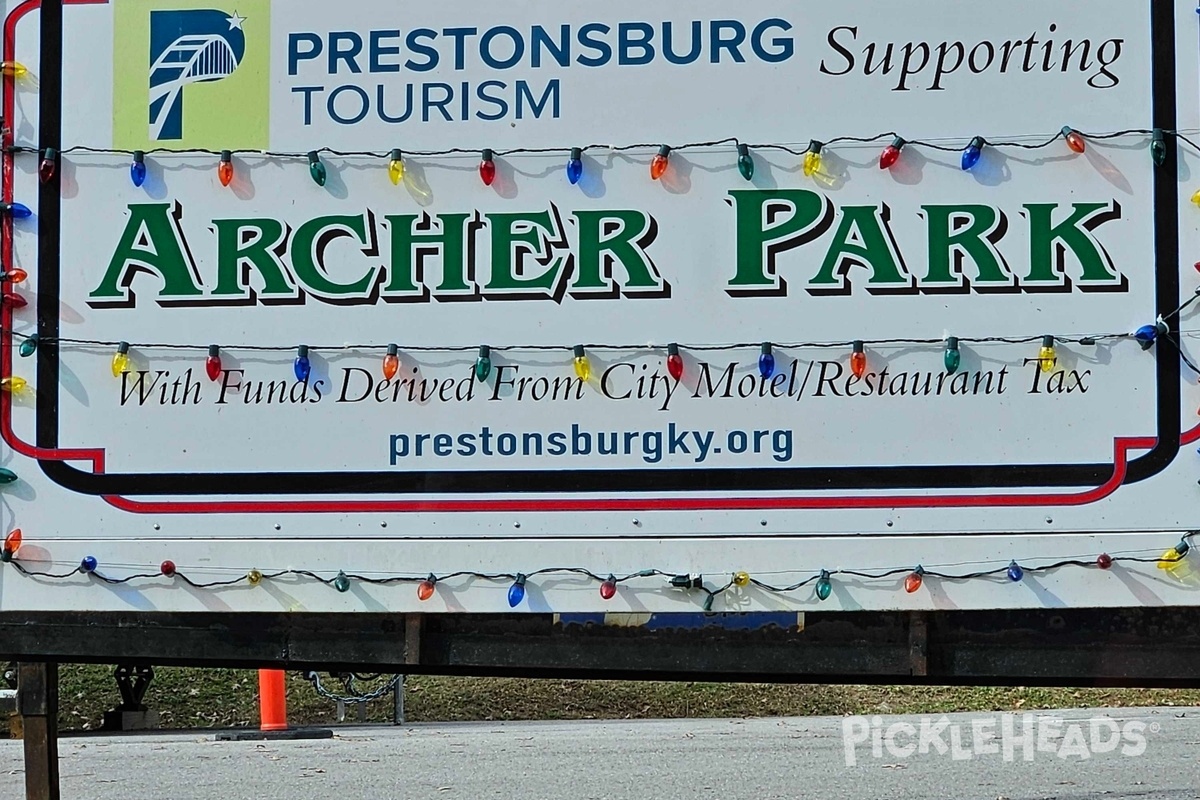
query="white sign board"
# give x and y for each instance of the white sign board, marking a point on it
(549, 292)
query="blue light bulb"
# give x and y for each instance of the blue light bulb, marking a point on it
(1148, 334)
(302, 366)
(970, 156)
(137, 170)
(575, 165)
(1015, 573)
(766, 361)
(88, 564)
(17, 210)
(516, 592)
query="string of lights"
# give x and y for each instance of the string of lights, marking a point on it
(821, 581)
(1074, 139)
(1146, 336)
(122, 363)
(1087, 340)
(812, 153)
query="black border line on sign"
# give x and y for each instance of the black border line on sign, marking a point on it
(1168, 373)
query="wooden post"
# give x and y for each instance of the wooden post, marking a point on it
(412, 655)
(37, 702)
(918, 643)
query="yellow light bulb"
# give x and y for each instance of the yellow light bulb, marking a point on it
(254, 577)
(812, 159)
(812, 164)
(583, 367)
(1196, 197)
(1170, 560)
(14, 384)
(121, 359)
(396, 166)
(1173, 559)
(1047, 357)
(14, 68)
(741, 579)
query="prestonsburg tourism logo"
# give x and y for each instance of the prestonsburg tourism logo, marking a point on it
(191, 75)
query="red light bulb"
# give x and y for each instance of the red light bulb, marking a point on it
(391, 362)
(891, 153)
(167, 568)
(914, 580)
(14, 300)
(1104, 561)
(674, 362)
(16, 275)
(608, 589)
(225, 168)
(858, 360)
(1074, 139)
(658, 165)
(46, 167)
(425, 588)
(212, 364)
(487, 168)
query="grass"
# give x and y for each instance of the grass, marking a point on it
(222, 698)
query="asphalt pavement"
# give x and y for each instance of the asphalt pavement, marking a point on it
(1147, 754)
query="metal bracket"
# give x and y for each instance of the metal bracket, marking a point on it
(132, 683)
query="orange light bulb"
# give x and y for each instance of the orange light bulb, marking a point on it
(391, 362)
(658, 165)
(12, 542)
(858, 360)
(425, 588)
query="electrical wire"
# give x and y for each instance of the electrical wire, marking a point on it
(1087, 340)
(931, 144)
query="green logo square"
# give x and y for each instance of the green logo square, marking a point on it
(191, 76)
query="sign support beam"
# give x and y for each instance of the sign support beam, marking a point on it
(37, 701)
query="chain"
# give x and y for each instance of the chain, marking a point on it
(352, 695)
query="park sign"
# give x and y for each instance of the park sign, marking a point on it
(544, 307)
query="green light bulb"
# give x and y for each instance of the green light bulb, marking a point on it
(952, 357)
(341, 582)
(483, 364)
(316, 169)
(7, 476)
(29, 346)
(1158, 147)
(745, 162)
(824, 587)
